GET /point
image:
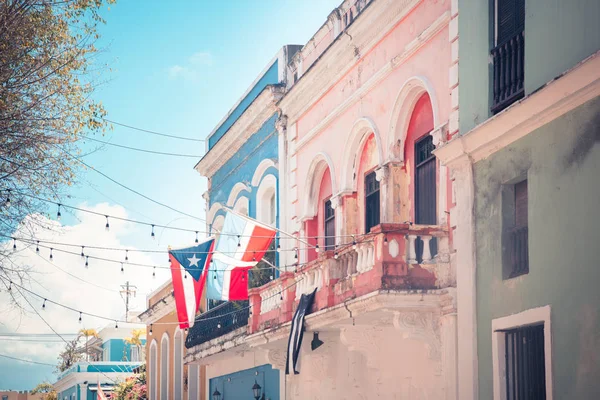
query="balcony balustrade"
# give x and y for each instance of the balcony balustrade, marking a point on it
(385, 259)
(218, 321)
(508, 60)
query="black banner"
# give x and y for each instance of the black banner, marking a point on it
(297, 331)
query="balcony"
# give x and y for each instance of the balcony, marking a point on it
(508, 59)
(388, 259)
(102, 367)
(379, 261)
(218, 321)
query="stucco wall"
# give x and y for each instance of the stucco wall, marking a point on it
(558, 35)
(241, 167)
(562, 162)
(238, 385)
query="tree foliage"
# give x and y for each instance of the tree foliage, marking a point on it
(47, 75)
(70, 355)
(46, 390)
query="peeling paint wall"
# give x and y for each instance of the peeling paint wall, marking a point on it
(562, 163)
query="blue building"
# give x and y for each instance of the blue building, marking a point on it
(111, 360)
(241, 164)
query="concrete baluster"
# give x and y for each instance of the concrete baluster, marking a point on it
(411, 254)
(426, 248)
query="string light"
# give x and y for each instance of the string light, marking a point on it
(126, 255)
(107, 226)
(353, 242)
(116, 325)
(122, 269)
(9, 286)
(219, 325)
(151, 329)
(278, 248)
(239, 244)
(254, 256)
(7, 202)
(296, 254)
(152, 234)
(87, 261)
(154, 273)
(58, 215)
(196, 241)
(385, 241)
(335, 255)
(280, 296)
(79, 316)
(82, 253)
(317, 248)
(37, 247)
(14, 244)
(44, 305)
(51, 253)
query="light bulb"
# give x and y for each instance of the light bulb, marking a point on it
(317, 248)
(196, 237)
(152, 234)
(37, 247)
(58, 215)
(44, 305)
(79, 316)
(107, 226)
(82, 254)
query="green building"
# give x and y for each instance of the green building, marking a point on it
(524, 159)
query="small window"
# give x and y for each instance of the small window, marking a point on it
(272, 210)
(135, 353)
(517, 231)
(329, 226)
(372, 203)
(4, 397)
(525, 363)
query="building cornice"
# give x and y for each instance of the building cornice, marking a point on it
(411, 48)
(261, 109)
(158, 310)
(343, 54)
(559, 96)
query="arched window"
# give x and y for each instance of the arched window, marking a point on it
(178, 364)
(266, 201)
(164, 367)
(241, 205)
(153, 364)
(316, 227)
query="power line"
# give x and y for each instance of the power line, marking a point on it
(141, 150)
(47, 300)
(128, 188)
(27, 361)
(153, 132)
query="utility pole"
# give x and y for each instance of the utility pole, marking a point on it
(127, 290)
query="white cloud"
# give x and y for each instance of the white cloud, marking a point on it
(101, 297)
(191, 70)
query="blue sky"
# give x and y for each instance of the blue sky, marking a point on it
(176, 67)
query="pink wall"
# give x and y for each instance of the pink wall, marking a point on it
(430, 65)
(316, 226)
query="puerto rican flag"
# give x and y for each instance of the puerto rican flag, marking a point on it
(192, 261)
(241, 245)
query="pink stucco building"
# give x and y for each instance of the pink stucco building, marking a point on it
(371, 96)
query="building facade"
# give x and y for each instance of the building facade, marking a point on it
(524, 165)
(366, 101)
(242, 166)
(112, 360)
(167, 375)
(19, 395)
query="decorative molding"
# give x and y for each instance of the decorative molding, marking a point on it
(394, 248)
(277, 358)
(235, 192)
(575, 87)
(375, 79)
(281, 124)
(423, 326)
(439, 135)
(261, 169)
(261, 109)
(320, 163)
(336, 201)
(381, 173)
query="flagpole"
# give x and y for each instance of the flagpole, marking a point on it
(270, 227)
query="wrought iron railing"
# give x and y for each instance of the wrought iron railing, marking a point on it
(218, 321)
(508, 59)
(519, 251)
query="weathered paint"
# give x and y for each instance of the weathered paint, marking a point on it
(561, 161)
(558, 35)
(242, 166)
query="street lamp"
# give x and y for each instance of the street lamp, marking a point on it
(256, 389)
(216, 395)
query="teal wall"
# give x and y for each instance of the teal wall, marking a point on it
(558, 35)
(239, 384)
(68, 394)
(118, 350)
(562, 163)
